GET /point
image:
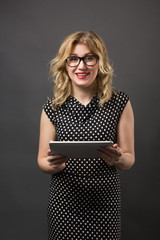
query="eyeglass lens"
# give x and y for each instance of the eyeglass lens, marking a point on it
(89, 60)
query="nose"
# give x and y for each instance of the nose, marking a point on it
(82, 65)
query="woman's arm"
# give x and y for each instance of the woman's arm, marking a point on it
(122, 154)
(46, 161)
(126, 138)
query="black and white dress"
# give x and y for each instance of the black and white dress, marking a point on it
(84, 199)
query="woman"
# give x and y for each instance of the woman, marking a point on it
(84, 197)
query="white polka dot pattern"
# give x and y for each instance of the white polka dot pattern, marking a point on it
(84, 199)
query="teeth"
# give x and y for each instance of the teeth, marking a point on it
(82, 74)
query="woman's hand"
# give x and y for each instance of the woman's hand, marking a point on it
(57, 162)
(111, 155)
(122, 154)
(47, 162)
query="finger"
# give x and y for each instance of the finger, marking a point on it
(115, 145)
(55, 158)
(58, 163)
(113, 152)
(104, 155)
(105, 152)
(109, 157)
(49, 153)
(59, 167)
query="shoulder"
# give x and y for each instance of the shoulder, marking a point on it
(117, 102)
(54, 114)
(128, 110)
(119, 99)
(119, 96)
(48, 104)
(47, 107)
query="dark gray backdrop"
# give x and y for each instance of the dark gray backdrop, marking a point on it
(31, 32)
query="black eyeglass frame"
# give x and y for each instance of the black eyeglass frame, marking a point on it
(83, 59)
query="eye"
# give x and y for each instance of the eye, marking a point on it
(73, 59)
(89, 58)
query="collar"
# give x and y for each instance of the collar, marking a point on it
(82, 112)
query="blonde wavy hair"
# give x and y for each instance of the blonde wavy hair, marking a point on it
(62, 84)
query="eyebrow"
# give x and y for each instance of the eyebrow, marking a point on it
(73, 54)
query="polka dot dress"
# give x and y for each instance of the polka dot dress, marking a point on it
(84, 199)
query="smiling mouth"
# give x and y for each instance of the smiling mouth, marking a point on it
(82, 75)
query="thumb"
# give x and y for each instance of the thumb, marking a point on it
(115, 145)
(49, 152)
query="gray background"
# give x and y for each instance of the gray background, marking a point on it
(31, 32)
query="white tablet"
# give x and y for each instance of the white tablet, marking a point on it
(78, 149)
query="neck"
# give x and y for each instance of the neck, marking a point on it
(84, 96)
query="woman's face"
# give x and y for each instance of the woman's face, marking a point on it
(82, 75)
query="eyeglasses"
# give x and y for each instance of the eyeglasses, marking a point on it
(89, 60)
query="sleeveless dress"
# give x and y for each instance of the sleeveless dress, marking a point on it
(84, 199)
